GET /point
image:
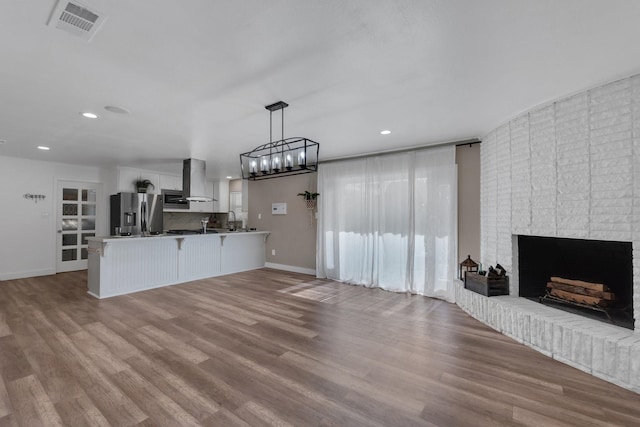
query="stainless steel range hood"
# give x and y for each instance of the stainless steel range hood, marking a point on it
(194, 181)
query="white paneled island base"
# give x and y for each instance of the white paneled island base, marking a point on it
(121, 265)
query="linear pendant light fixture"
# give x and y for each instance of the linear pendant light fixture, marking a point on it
(291, 156)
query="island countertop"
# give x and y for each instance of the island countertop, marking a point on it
(172, 236)
(121, 265)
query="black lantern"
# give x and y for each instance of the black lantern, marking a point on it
(467, 265)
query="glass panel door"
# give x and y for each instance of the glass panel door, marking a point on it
(77, 214)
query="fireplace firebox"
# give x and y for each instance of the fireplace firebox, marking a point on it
(605, 262)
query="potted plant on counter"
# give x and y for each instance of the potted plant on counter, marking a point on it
(142, 185)
(310, 199)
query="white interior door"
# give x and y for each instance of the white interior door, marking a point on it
(78, 205)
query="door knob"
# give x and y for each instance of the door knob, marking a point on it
(60, 231)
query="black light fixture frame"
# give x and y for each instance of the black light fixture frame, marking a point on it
(285, 157)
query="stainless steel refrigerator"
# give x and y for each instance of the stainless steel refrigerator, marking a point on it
(136, 213)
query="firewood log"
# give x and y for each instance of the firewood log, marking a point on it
(610, 296)
(589, 285)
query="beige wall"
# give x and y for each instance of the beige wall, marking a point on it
(235, 185)
(468, 161)
(293, 236)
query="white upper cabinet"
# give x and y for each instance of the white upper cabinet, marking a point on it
(128, 176)
(221, 194)
(218, 189)
(171, 182)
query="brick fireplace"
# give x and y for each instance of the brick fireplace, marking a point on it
(571, 170)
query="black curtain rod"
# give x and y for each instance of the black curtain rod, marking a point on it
(470, 143)
(457, 143)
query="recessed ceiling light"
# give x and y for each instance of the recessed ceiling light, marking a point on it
(385, 132)
(89, 115)
(116, 109)
(42, 147)
(229, 177)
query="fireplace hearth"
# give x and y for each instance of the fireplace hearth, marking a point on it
(591, 261)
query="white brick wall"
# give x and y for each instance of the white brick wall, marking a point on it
(489, 203)
(611, 163)
(635, 119)
(567, 169)
(503, 196)
(572, 153)
(542, 138)
(520, 176)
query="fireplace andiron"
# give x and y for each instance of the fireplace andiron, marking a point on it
(549, 297)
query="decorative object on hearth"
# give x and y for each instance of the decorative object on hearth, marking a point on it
(494, 282)
(468, 265)
(496, 273)
(291, 156)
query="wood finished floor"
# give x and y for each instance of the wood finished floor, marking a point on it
(270, 348)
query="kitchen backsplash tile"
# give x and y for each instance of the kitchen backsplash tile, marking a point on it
(191, 220)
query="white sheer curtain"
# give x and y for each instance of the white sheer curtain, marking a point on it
(390, 221)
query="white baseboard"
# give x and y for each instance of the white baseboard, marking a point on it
(93, 295)
(132, 291)
(25, 274)
(292, 268)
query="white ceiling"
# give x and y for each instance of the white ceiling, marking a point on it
(196, 74)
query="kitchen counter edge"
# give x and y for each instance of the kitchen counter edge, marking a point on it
(170, 236)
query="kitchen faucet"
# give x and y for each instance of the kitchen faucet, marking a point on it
(230, 225)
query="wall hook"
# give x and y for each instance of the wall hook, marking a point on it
(34, 197)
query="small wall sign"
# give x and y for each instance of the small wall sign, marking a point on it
(278, 208)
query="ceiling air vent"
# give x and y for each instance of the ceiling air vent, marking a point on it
(76, 19)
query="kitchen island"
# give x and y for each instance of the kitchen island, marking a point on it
(121, 265)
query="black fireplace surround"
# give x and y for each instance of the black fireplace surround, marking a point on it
(611, 263)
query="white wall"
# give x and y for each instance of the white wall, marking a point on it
(28, 229)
